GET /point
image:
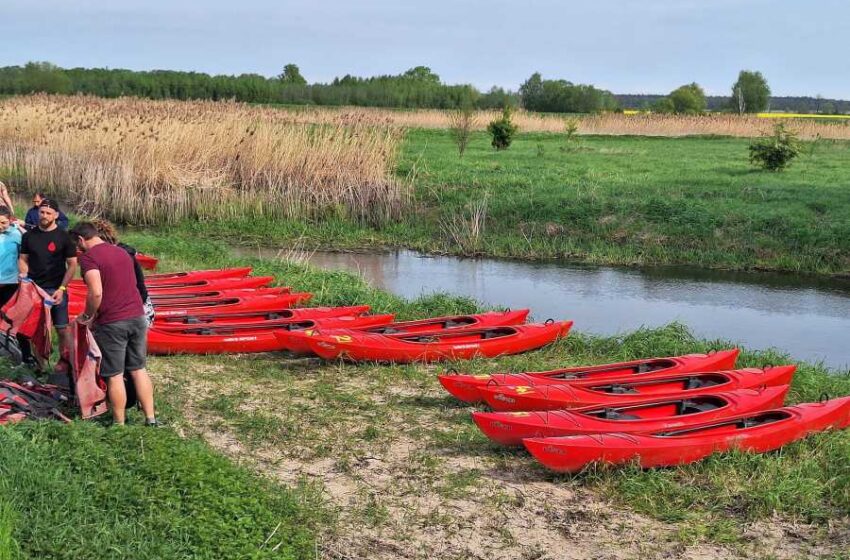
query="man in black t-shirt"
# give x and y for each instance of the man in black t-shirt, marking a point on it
(49, 258)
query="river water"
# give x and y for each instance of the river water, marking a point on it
(807, 317)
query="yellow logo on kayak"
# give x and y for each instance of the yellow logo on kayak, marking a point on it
(523, 389)
(309, 332)
(342, 338)
(520, 414)
(482, 376)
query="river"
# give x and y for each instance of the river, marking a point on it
(807, 317)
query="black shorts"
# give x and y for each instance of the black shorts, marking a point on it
(123, 345)
(59, 313)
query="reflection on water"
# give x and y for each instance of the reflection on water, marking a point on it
(806, 317)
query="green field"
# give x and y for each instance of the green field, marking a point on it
(621, 200)
(379, 462)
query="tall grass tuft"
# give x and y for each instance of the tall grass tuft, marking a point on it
(149, 162)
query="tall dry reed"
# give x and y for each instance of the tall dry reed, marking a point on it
(616, 124)
(148, 162)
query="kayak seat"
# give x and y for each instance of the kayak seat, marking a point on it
(273, 316)
(644, 368)
(620, 390)
(390, 330)
(691, 407)
(612, 414)
(698, 383)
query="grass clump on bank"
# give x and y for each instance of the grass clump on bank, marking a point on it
(406, 470)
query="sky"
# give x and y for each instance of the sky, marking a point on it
(626, 46)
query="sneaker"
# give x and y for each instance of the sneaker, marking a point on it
(31, 363)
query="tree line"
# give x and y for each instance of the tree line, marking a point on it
(416, 88)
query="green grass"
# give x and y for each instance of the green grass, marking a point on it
(601, 199)
(347, 412)
(84, 491)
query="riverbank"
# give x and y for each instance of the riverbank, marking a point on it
(405, 473)
(379, 462)
(634, 201)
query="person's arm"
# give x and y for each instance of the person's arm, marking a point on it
(70, 270)
(94, 295)
(4, 196)
(23, 258)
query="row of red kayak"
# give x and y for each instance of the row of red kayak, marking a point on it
(230, 311)
(653, 412)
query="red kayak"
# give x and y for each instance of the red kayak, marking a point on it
(756, 432)
(152, 280)
(454, 344)
(196, 285)
(275, 325)
(242, 338)
(194, 275)
(296, 341)
(172, 307)
(613, 391)
(236, 316)
(222, 294)
(510, 428)
(233, 305)
(465, 387)
(146, 261)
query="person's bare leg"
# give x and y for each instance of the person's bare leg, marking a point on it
(144, 392)
(66, 342)
(117, 397)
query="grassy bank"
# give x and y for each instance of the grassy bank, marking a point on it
(406, 473)
(620, 200)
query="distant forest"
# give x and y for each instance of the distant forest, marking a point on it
(790, 104)
(416, 88)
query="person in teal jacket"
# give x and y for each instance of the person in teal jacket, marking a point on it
(10, 247)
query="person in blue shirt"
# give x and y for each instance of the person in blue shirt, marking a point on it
(10, 246)
(31, 219)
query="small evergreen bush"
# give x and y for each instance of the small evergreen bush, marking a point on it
(502, 130)
(776, 151)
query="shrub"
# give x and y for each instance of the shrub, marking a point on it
(502, 130)
(462, 122)
(776, 151)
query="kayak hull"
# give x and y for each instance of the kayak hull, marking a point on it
(196, 286)
(224, 318)
(147, 262)
(460, 344)
(756, 433)
(194, 275)
(510, 428)
(237, 338)
(298, 344)
(466, 387)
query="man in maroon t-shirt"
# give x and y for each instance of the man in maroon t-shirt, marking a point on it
(115, 311)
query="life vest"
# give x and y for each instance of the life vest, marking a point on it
(30, 399)
(27, 314)
(89, 386)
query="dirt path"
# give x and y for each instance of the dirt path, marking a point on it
(407, 476)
